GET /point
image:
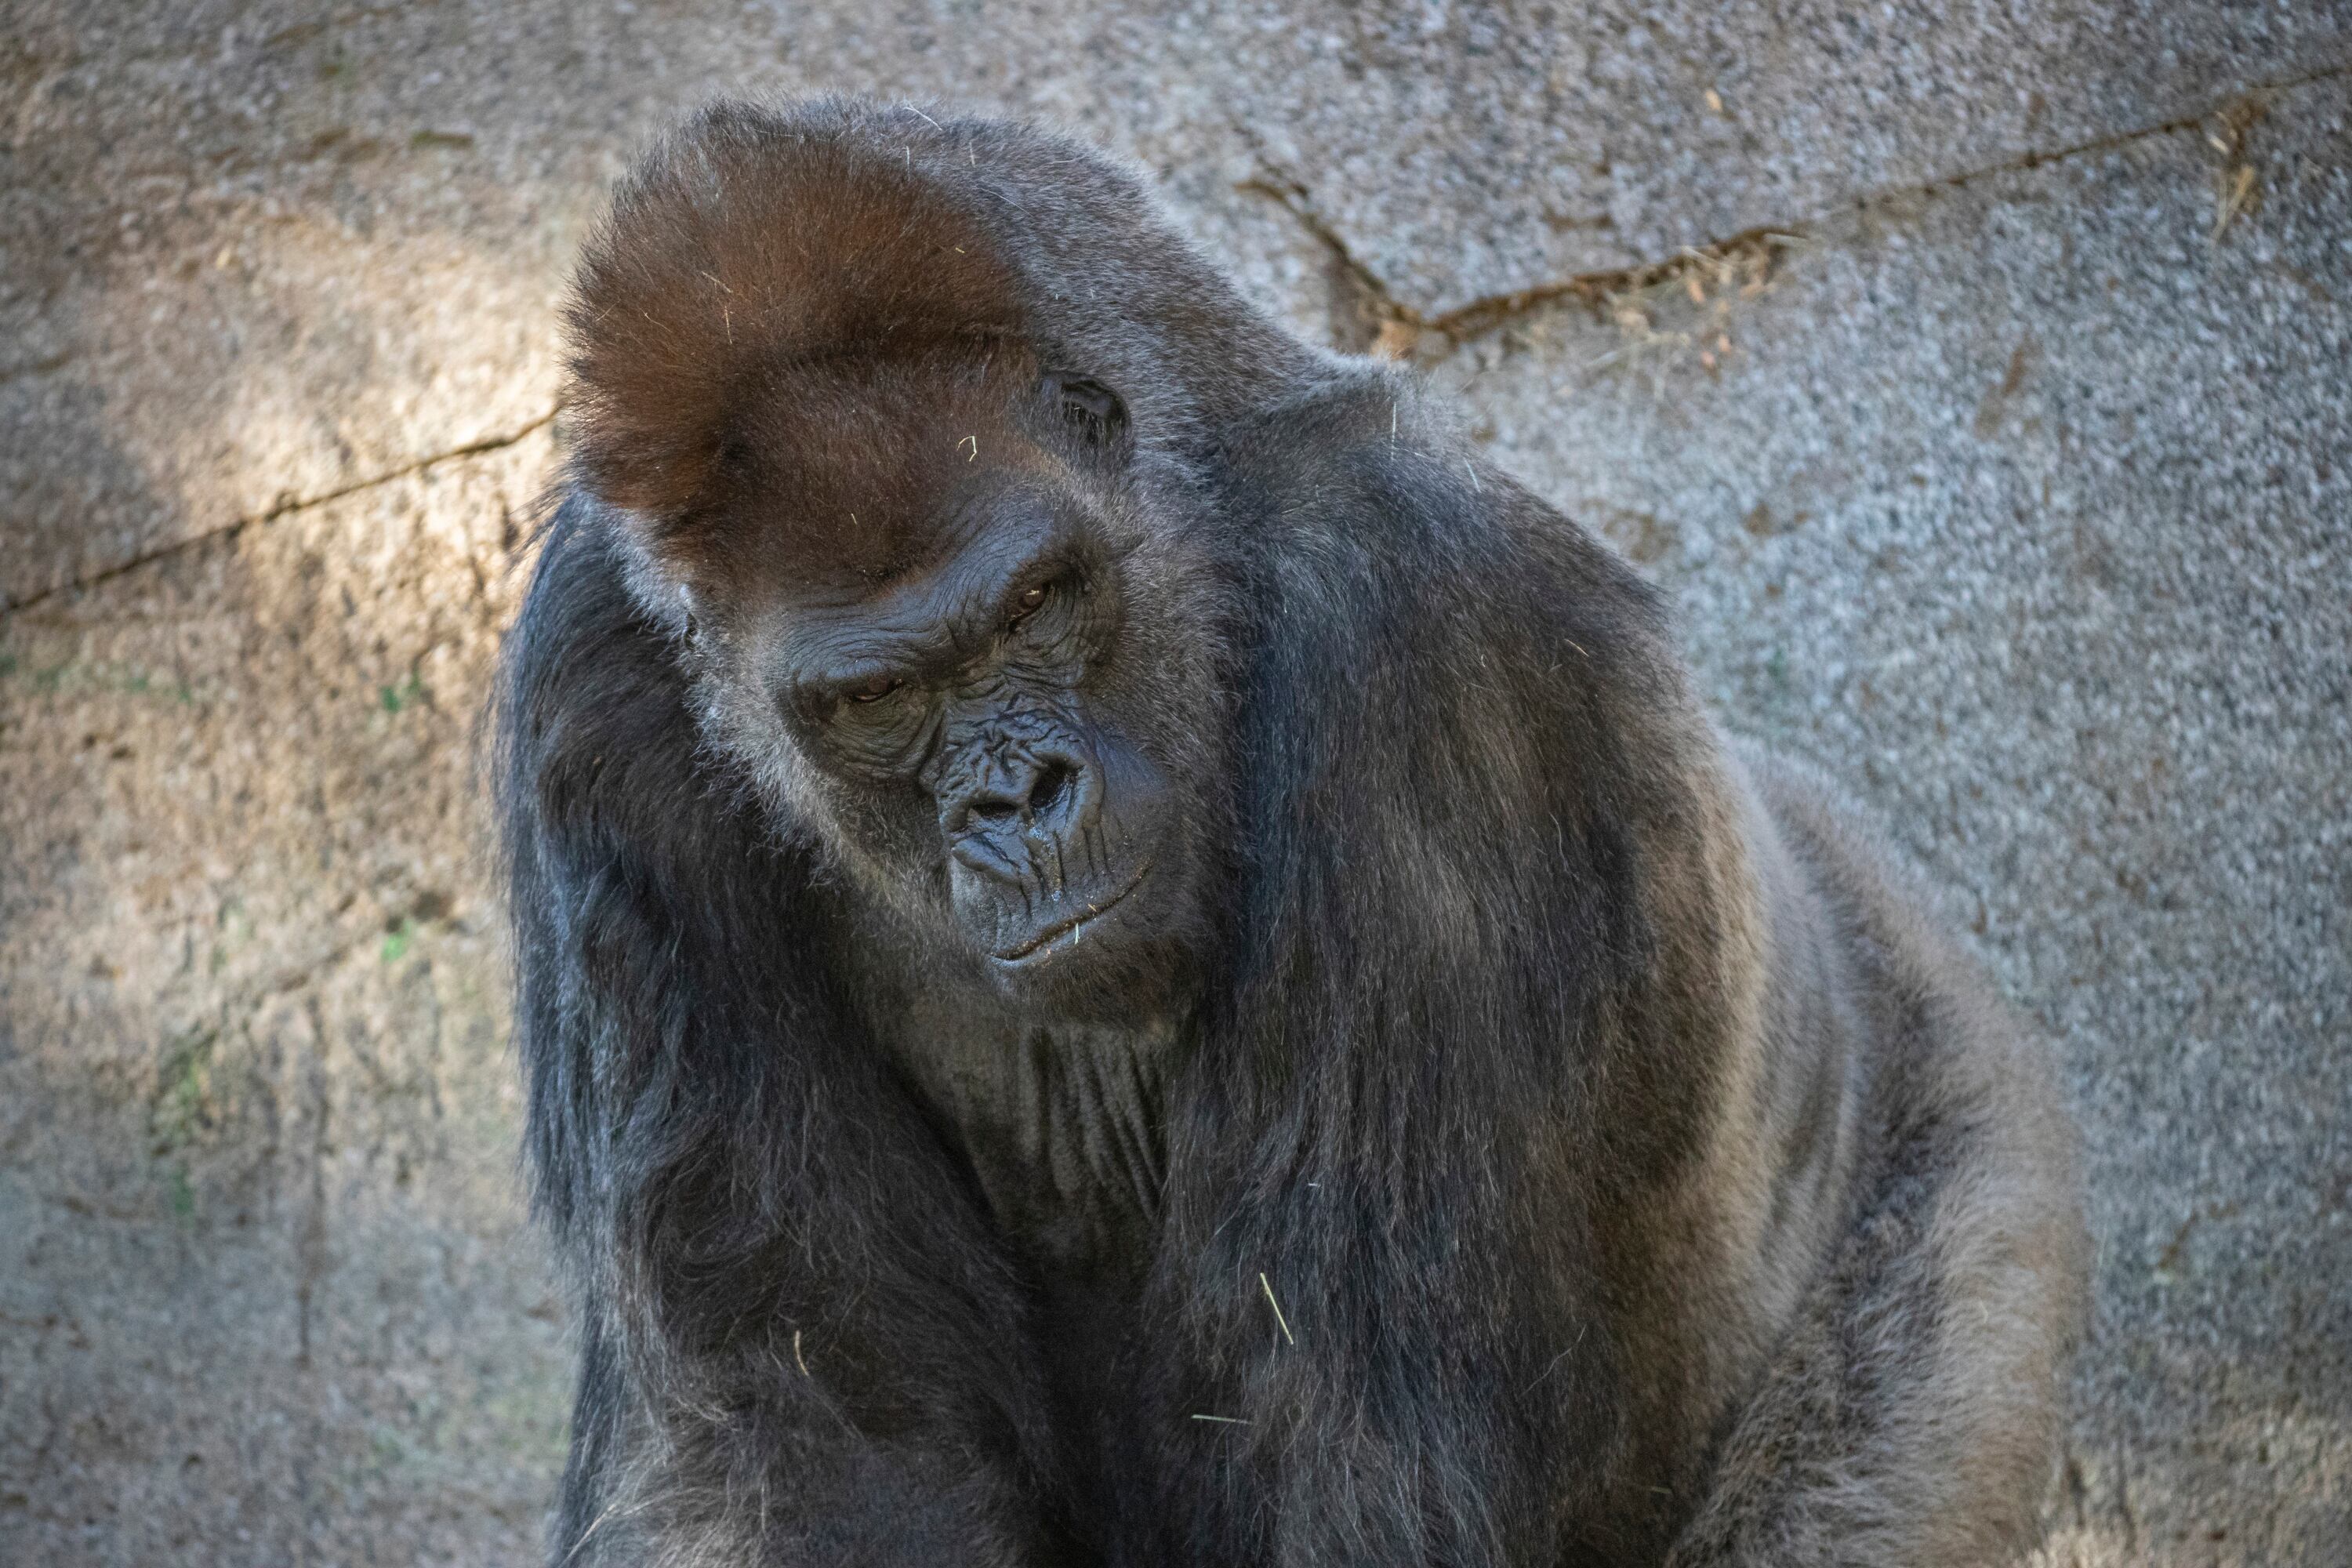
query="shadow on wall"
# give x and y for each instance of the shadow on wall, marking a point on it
(263, 1278)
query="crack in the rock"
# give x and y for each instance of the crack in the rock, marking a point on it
(36, 367)
(1490, 312)
(285, 507)
(1293, 196)
(1400, 325)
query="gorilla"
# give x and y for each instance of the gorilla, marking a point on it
(1128, 956)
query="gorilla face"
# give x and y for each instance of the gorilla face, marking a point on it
(977, 682)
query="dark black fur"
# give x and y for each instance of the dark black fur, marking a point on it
(1512, 1105)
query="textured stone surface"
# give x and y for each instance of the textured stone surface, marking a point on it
(2024, 511)
(265, 1291)
(2010, 486)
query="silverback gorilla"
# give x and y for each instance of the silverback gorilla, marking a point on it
(1128, 957)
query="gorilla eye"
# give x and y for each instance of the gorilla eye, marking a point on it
(1029, 604)
(874, 689)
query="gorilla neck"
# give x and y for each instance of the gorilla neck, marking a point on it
(1062, 1123)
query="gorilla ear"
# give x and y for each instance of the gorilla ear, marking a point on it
(1091, 411)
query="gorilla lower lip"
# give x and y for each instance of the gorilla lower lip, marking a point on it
(1062, 928)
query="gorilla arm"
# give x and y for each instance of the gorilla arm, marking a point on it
(1567, 1087)
(797, 1343)
(1494, 987)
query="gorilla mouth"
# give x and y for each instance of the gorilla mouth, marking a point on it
(1062, 928)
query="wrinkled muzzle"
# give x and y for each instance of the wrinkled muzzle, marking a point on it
(1028, 858)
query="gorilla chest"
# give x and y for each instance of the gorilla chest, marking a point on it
(1064, 1132)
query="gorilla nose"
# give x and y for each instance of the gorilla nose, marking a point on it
(1048, 783)
(1036, 797)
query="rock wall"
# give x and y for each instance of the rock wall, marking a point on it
(1974, 377)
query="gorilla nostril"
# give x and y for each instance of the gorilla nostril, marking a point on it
(1052, 783)
(1032, 791)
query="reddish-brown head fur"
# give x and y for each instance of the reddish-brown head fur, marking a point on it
(807, 332)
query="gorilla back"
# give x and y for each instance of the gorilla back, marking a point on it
(1128, 957)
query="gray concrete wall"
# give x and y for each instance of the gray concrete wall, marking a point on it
(1975, 377)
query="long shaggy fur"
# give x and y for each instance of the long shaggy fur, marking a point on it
(1573, 1148)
